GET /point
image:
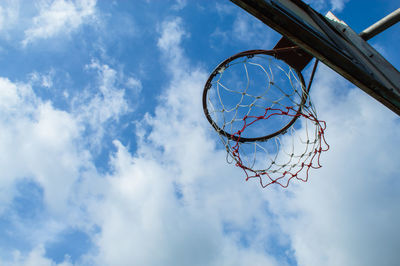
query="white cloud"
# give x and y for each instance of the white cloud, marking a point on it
(332, 5)
(338, 5)
(9, 14)
(180, 4)
(49, 146)
(224, 8)
(245, 29)
(107, 104)
(35, 257)
(44, 80)
(42, 142)
(59, 17)
(36, 135)
(172, 34)
(45, 146)
(241, 28)
(134, 84)
(10, 96)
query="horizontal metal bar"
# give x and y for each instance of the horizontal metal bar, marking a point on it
(381, 25)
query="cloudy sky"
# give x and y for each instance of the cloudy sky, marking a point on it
(106, 157)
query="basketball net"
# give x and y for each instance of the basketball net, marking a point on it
(262, 111)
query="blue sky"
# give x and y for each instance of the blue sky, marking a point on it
(107, 159)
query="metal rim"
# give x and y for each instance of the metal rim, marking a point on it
(273, 53)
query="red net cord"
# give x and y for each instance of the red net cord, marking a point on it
(265, 177)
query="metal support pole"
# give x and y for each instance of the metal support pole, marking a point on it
(381, 25)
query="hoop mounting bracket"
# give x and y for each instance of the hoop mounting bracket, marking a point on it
(296, 57)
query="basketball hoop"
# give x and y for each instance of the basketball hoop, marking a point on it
(261, 109)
